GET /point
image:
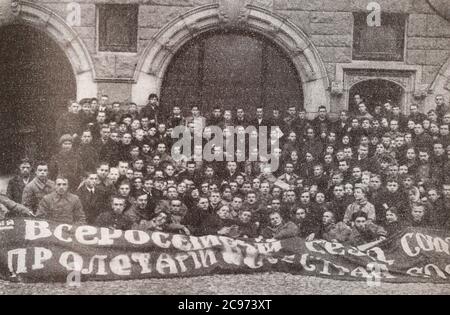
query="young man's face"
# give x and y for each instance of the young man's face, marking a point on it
(223, 213)
(74, 108)
(275, 219)
(322, 112)
(126, 139)
(438, 149)
(153, 101)
(42, 172)
(215, 198)
(118, 206)
(203, 204)
(439, 100)
(423, 157)
(101, 117)
(124, 190)
(265, 188)
(102, 171)
(418, 213)
(338, 192)
(86, 138)
(343, 166)
(142, 201)
(113, 175)
(123, 167)
(290, 197)
(251, 199)
(305, 198)
(392, 187)
(92, 180)
(391, 217)
(86, 108)
(327, 218)
(62, 186)
(289, 168)
(259, 113)
(363, 152)
(358, 194)
(245, 216)
(360, 223)
(237, 203)
(105, 133)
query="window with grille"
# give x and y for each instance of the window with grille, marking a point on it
(117, 27)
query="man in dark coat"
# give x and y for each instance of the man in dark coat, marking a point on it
(18, 182)
(66, 162)
(151, 110)
(93, 197)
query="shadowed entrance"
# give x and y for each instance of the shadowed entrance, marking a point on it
(36, 82)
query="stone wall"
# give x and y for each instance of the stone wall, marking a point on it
(328, 23)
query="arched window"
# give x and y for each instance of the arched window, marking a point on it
(231, 69)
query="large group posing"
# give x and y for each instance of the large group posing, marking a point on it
(355, 180)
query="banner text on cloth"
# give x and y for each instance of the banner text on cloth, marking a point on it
(47, 251)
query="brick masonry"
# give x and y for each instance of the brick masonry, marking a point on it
(328, 23)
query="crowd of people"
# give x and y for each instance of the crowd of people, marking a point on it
(355, 180)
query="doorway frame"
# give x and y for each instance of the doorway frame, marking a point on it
(159, 53)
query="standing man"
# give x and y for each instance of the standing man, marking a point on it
(61, 206)
(66, 162)
(17, 184)
(151, 110)
(69, 122)
(321, 123)
(441, 107)
(40, 186)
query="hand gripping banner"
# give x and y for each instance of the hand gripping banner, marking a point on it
(43, 251)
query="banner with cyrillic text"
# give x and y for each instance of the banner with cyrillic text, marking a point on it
(43, 251)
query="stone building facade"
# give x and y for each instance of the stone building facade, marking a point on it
(317, 36)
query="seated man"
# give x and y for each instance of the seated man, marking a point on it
(278, 229)
(62, 206)
(220, 223)
(115, 218)
(332, 231)
(361, 204)
(247, 228)
(365, 231)
(8, 206)
(40, 186)
(142, 209)
(158, 223)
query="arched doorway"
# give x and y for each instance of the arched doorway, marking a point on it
(158, 55)
(376, 92)
(36, 82)
(230, 69)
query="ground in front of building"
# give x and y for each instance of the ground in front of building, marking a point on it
(256, 284)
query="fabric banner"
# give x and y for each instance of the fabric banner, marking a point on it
(42, 251)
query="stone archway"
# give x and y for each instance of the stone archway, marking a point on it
(24, 12)
(162, 48)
